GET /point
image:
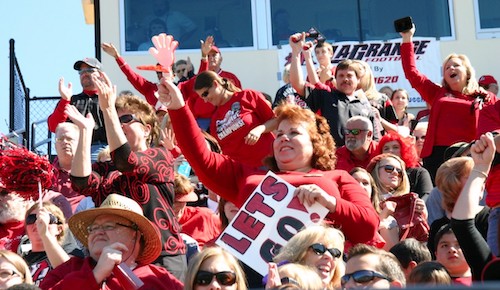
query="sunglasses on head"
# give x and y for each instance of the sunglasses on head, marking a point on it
(125, 119)
(354, 132)
(363, 276)
(225, 278)
(390, 169)
(31, 219)
(320, 249)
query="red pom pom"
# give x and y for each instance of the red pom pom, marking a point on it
(21, 170)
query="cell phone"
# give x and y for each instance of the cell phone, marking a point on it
(126, 277)
(403, 24)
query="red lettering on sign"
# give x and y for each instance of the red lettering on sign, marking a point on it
(248, 225)
(270, 186)
(256, 204)
(241, 245)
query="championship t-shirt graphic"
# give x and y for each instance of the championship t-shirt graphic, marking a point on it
(231, 122)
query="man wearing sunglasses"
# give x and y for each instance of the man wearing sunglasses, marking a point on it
(86, 102)
(359, 146)
(372, 268)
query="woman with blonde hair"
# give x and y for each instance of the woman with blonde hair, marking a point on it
(214, 267)
(455, 103)
(13, 270)
(320, 247)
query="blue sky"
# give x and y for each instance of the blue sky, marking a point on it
(50, 36)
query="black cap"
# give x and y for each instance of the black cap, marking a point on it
(90, 61)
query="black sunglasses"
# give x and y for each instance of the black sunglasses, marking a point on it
(320, 249)
(354, 132)
(125, 119)
(31, 219)
(390, 169)
(363, 276)
(205, 93)
(225, 278)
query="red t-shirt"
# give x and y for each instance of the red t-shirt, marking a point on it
(233, 121)
(200, 223)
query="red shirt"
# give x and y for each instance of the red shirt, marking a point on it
(77, 273)
(10, 235)
(200, 223)
(232, 121)
(235, 181)
(451, 119)
(346, 161)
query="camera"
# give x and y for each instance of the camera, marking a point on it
(403, 24)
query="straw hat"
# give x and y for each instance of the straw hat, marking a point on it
(125, 207)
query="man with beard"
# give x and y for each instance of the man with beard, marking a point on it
(359, 146)
(86, 102)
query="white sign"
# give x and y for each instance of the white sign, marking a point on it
(267, 220)
(385, 61)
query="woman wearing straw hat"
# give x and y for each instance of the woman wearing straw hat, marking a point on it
(116, 234)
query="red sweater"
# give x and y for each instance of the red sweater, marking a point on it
(233, 121)
(451, 119)
(77, 273)
(235, 181)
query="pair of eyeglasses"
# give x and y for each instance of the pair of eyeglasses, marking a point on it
(390, 169)
(226, 278)
(109, 227)
(363, 276)
(179, 71)
(67, 139)
(125, 119)
(205, 93)
(31, 219)
(320, 249)
(420, 138)
(7, 273)
(87, 71)
(354, 132)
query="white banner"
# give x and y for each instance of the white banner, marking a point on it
(385, 60)
(267, 220)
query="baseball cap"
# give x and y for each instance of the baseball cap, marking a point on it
(456, 150)
(487, 80)
(215, 48)
(90, 61)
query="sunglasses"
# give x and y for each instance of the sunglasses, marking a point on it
(363, 276)
(87, 71)
(354, 132)
(225, 278)
(31, 219)
(320, 249)
(205, 93)
(125, 119)
(420, 138)
(179, 71)
(390, 169)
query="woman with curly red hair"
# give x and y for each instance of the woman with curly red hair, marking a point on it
(420, 179)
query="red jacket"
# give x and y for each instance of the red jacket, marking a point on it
(451, 119)
(77, 273)
(235, 181)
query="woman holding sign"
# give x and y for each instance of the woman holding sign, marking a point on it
(303, 155)
(455, 103)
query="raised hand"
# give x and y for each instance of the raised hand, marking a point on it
(483, 152)
(110, 49)
(42, 221)
(78, 119)
(105, 90)
(170, 95)
(163, 50)
(206, 45)
(297, 42)
(65, 91)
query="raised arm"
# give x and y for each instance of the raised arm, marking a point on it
(296, 78)
(82, 164)
(58, 116)
(53, 249)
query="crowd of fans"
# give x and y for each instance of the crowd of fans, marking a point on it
(143, 186)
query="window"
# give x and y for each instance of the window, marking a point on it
(487, 18)
(358, 20)
(229, 21)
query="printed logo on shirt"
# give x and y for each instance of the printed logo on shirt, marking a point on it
(231, 122)
(39, 271)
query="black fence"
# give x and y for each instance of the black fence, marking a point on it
(28, 115)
